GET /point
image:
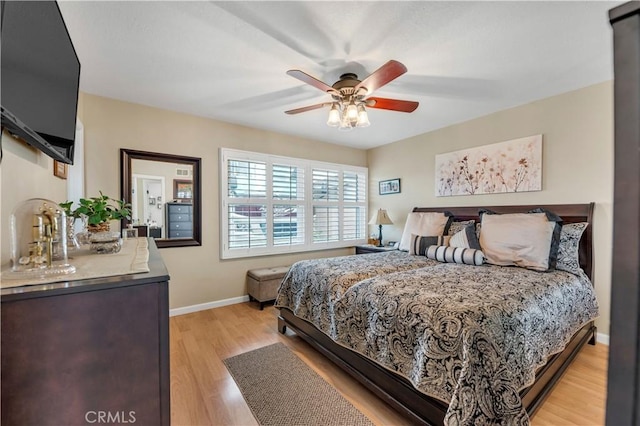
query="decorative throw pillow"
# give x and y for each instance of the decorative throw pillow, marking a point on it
(459, 225)
(568, 251)
(529, 240)
(420, 243)
(465, 238)
(424, 223)
(455, 255)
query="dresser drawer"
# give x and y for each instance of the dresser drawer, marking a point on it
(180, 217)
(179, 208)
(180, 234)
(180, 226)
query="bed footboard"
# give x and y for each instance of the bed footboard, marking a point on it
(391, 388)
(400, 393)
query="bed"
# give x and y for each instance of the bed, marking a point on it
(475, 343)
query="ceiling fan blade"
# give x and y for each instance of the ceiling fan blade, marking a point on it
(306, 78)
(307, 108)
(392, 104)
(383, 75)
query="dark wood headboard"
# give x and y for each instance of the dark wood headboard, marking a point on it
(570, 213)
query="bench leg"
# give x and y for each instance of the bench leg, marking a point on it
(261, 305)
(592, 341)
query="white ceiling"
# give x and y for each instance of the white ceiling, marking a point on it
(227, 60)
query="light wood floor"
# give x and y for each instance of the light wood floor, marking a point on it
(203, 392)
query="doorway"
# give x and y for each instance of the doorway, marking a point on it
(147, 202)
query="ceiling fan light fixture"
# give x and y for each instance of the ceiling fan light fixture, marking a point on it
(334, 116)
(363, 117)
(352, 111)
(345, 123)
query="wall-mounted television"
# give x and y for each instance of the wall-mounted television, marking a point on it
(40, 77)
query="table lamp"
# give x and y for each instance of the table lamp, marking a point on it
(380, 218)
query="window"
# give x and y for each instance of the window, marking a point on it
(271, 204)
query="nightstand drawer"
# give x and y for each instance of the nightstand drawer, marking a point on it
(373, 249)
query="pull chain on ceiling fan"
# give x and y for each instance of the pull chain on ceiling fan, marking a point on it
(348, 108)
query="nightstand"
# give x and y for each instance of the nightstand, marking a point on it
(366, 249)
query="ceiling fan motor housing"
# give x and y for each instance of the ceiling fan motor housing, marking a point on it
(346, 86)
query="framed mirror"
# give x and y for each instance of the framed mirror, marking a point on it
(165, 196)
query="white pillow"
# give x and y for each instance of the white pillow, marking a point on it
(528, 240)
(424, 223)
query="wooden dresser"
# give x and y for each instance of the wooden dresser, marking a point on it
(179, 220)
(76, 352)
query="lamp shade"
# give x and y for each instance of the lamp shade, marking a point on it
(381, 218)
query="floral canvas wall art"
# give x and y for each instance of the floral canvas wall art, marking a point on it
(511, 166)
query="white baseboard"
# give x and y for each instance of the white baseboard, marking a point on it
(602, 338)
(209, 305)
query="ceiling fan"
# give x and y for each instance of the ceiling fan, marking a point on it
(350, 96)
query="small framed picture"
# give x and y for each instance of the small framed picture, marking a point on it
(60, 169)
(390, 186)
(183, 190)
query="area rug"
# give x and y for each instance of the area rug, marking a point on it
(282, 390)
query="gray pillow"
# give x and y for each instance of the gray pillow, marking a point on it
(457, 226)
(568, 251)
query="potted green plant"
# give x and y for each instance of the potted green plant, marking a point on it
(98, 211)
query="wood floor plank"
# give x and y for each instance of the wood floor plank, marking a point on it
(186, 398)
(204, 393)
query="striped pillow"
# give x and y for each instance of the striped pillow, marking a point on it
(465, 238)
(420, 243)
(448, 254)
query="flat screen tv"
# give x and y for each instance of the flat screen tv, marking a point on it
(40, 77)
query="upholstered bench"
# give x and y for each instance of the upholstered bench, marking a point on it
(262, 284)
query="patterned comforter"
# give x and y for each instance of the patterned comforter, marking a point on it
(471, 336)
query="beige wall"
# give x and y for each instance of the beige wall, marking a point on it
(197, 273)
(577, 129)
(25, 173)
